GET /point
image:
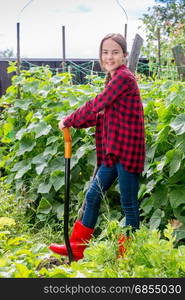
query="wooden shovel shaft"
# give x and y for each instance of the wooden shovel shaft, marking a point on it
(68, 143)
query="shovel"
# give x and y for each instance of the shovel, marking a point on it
(67, 155)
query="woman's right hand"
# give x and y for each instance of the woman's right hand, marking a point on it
(61, 124)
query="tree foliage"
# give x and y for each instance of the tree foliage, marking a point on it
(6, 53)
(165, 24)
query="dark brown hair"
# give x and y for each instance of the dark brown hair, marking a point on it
(120, 40)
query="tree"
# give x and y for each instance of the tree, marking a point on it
(165, 28)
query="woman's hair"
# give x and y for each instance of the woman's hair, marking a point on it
(120, 40)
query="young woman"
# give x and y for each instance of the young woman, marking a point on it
(117, 114)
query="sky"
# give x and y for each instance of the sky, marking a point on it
(86, 23)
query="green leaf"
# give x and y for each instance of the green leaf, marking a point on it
(147, 204)
(57, 180)
(42, 129)
(51, 139)
(57, 164)
(175, 163)
(177, 98)
(22, 167)
(20, 133)
(180, 233)
(23, 103)
(177, 196)
(178, 124)
(155, 219)
(44, 206)
(38, 159)
(22, 271)
(12, 67)
(58, 208)
(50, 150)
(44, 188)
(26, 145)
(160, 196)
(40, 168)
(179, 213)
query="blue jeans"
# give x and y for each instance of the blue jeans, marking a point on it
(128, 185)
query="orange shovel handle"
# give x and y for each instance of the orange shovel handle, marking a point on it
(68, 142)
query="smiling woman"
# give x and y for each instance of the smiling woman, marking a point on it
(117, 115)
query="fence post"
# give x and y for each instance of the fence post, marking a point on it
(159, 51)
(134, 55)
(63, 49)
(179, 57)
(18, 57)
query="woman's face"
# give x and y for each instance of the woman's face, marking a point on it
(112, 55)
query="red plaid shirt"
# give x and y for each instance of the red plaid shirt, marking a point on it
(120, 128)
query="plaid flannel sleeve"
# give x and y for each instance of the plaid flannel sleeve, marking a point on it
(83, 117)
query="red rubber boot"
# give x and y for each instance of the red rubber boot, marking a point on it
(79, 239)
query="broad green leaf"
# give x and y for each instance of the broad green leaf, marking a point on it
(20, 133)
(179, 213)
(60, 211)
(38, 159)
(177, 196)
(58, 208)
(147, 204)
(160, 196)
(51, 139)
(21, 167)
(12, 67)
(177, 97)
(31, 86)
(180, 143)
(23, 103)
(42, 129)
(40, 168)
(52, 150)
(44, 188)
(178, 124)
(92, 158)
(23, 171)
(155, 219)
(29, 116)
(26, 145)
(57, 164)
(57, 181)
(180, 233)
(175, 163)
(44, 206)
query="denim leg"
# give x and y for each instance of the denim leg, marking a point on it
(129, 186)
(103, 180)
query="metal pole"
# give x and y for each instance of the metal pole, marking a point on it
(66, 209)
(125, 32)
(63, 48)
(18, 56)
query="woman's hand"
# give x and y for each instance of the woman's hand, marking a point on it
(61, 124)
